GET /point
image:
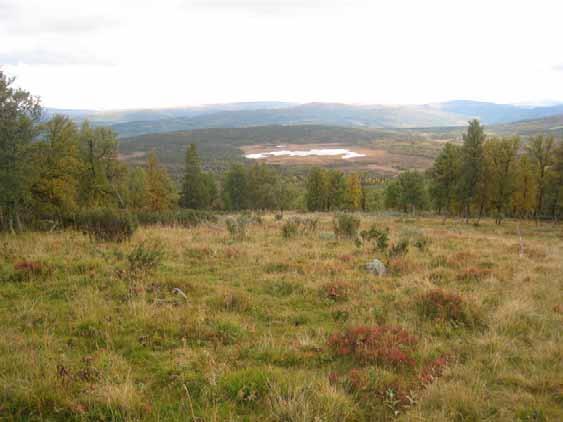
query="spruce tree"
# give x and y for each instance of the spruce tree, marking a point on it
(194, 193)
(472, 165)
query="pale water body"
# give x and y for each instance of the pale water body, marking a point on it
(330, 152)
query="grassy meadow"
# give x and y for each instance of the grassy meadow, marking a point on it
(192, 325)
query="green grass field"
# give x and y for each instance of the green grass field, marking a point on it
(466, 327)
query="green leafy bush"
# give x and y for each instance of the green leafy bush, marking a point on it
(442, 306)
(182, 218)
(246, 386)
(238, 227)
(299, 226)
(379, 236)
(106, 224)
(399, 249)
(146, 257)
(346, 226)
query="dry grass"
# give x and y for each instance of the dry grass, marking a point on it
(85, 338)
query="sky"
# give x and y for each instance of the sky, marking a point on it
(112, 54)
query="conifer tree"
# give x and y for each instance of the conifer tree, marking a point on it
(194, 192)
(472, 165)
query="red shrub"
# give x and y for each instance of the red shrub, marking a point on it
(336, 290)
(433, 370)
(25, 270)
(387, 345)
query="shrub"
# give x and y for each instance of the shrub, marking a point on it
(433, 370)
(379, 236)
(336, 291)
(146, 257)
(442, 306)
(399, 249)
(416, 238)
(387, 345)
(246, 386)
(290, 228)
(183, 218)
(238, 227)
(299, 226)
(106, 224)
(473, 274)
(27, 270)
(346, 226)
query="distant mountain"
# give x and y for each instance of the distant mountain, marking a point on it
(307, 114)
(129, 123)
(492, 113)
(552, 125)
(111, 117)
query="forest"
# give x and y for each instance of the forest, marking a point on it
(52, 170)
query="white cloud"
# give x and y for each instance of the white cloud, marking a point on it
(175, 52)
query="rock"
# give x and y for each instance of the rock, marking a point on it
(376, 267)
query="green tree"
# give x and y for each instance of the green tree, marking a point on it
(525, 192)
(160, 191)
(472, 165)
(19, 116)
(412, 194)
(58, 168)
(354, 194)
(102, 172)
(236, 188)
(194, 192)
(317, 186)
(539, 150)
(501, 164)
(137, 188)
(336, 194)
(391, 194)
(444, 178)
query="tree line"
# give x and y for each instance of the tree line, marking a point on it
(49, 169)
(486, 176)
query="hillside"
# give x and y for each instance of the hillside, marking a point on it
(129, 123)
(552, 125)
(264, 329)
(387, 150)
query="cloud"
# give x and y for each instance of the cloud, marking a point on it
(558, 67)
(269, 6)
(46, 57)
(27, 18)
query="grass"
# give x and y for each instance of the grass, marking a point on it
(192, 324)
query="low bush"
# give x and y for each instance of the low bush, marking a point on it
(386, 345)
(238, 227)
(399, 249)
(146, 257)
(246, 386)
(380, 237)
(336, 291)
(182, 218)
(416, 238)
(28, 270)
(442, 306)
(106, 224)
(299, 226)
(346, 226)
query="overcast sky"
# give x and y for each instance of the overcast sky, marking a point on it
(139, 53)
